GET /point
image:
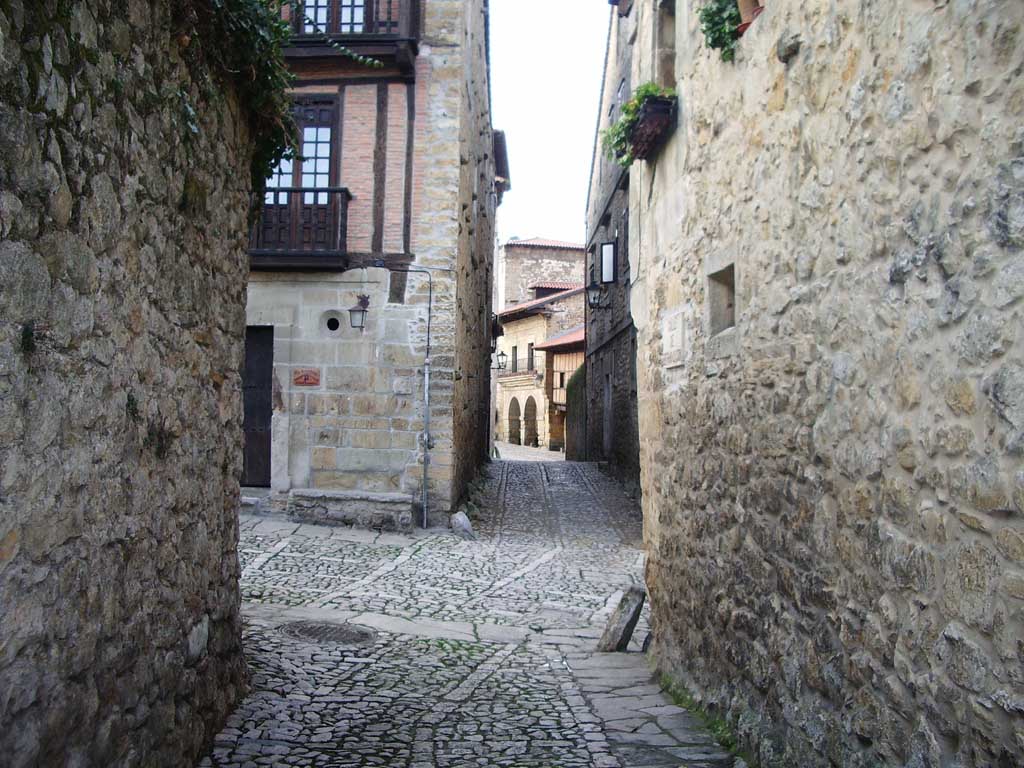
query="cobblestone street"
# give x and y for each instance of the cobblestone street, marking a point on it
(422, 650)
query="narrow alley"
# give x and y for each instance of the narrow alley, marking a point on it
(422, 650)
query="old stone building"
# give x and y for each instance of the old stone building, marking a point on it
(392, 205)
(526, 412)
(828, 288)
(524, 267)
(610, 430)
(124, 191)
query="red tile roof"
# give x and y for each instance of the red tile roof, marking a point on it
(556, 286)
(541, 242)
(571, 338)
(538, 303)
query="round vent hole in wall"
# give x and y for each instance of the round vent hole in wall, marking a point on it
(330, 322)
(324, 633)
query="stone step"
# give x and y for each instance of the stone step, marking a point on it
(363, 509)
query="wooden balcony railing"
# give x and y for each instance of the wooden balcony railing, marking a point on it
(358, 18)
(301, 227)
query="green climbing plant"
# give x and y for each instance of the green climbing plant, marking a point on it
(616, 138)
(244, 42)
(718, 21)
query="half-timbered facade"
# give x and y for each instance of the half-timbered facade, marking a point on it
(390, 203)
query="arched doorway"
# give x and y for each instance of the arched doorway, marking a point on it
(513, 423)
(530, 423)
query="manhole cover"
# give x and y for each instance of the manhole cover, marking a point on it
(335, 634)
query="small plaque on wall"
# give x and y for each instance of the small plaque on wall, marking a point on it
(306, 377)
(675, 339)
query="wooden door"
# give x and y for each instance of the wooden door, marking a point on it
(257, 401)
(606, 437)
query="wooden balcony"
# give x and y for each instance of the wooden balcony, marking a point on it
(382, 29)
(301, 228)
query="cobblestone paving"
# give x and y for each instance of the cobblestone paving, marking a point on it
(511, 452)
(481, 653)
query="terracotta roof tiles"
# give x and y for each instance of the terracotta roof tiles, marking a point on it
(572, 337)
(542, 242)
(538, 303)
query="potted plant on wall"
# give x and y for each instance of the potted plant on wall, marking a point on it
(749, 10)
(720, 21)
(645, 123)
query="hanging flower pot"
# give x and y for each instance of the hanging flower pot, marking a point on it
(646, 121)
(749, 10)
(657, 116)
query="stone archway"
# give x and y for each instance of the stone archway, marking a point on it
(514, 435)
(530, 437)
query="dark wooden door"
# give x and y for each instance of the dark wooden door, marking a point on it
(257, 399)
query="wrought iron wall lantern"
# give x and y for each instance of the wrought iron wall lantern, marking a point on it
(357, 314)
(595, 293)
(502, 361)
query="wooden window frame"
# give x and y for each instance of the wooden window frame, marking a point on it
(613, 246)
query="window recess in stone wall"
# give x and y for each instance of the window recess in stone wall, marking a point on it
(665, 44)
(722, 300)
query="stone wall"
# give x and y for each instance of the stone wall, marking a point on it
(475, 261)
(521, 263)
(348, 403)
(612, 434)
(124, 189)
(832, 471)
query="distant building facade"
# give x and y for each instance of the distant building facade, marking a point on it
(524, 267)
(380, 207)
(526, 410)
(611, 429)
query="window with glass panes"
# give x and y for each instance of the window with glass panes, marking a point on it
(279, 177)
(351, 16)
(316, 118)
(316, 12)
(316, 162)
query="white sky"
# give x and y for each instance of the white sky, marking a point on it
(547, 58)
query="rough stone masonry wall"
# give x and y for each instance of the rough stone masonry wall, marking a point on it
(435, 222)
(475, 262)
(834, 489)
(522, 266)
(123, 200)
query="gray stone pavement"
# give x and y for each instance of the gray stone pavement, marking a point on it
(512, 452)
(424, 650)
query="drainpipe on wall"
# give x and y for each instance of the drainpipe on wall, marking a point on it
(425, 439)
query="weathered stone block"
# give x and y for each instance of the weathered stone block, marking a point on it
(623, 621)
(365, 509)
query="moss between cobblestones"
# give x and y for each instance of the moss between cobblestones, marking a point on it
(717, 725)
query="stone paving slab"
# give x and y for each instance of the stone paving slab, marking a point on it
(480, 653)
